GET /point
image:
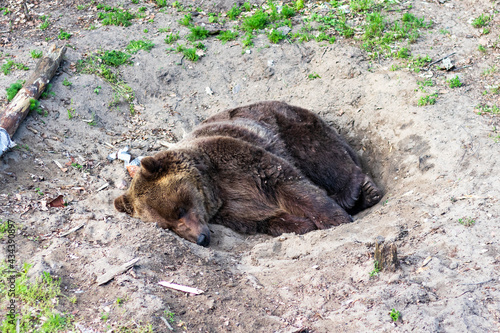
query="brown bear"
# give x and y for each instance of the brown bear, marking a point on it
(268, 167)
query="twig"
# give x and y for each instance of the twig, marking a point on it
(477, 283)
(167, 324)
(435, 62)
(72, 230)
(116, 271)
(185, 289)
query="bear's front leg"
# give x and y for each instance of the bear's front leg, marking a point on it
(304, 200)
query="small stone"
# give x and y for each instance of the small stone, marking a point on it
(453, 265)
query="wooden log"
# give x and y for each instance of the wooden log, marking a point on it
(13, 115)
(386, 256)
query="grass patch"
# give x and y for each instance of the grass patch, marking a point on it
(35, 106)
(63, 35)
(454, 82)
(10, 64)
(226, 36)
(66, 82)
(313, 76)
(36, 54)
(94, 65)
(234, 12)
(115, 58)
(135, 45)
(197, 33)
(395, 315)
(467, 221)
(115, 16)
(379, 34)
(416, 63)
(376, 269)
(172, 38)
(488, 109)
(36, 303)
(275, 36)
(257, 21)
(186, 20)
(427, 100)
(13, 89)
(45, 22)
(481, 21)
(423, 84)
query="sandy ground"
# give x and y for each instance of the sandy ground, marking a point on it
(438, 165)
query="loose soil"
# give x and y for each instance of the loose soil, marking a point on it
(438, 165)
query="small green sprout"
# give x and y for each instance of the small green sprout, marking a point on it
(395, 315)
(454, 82)
(35, 54)
(66, 82)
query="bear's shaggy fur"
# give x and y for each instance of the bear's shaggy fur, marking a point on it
(267, 167)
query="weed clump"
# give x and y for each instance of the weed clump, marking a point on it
(197, 33)
(227, 36)
(13, 89)
(136, 45)
(454, 82)
(115, 58)
(115, 16)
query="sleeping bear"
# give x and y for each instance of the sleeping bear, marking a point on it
(268, 168)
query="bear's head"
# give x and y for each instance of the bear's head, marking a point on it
(171, 189)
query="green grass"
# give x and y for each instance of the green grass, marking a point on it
(427, 100)
(481, 48)
(313, 76)
(197, 33)
(186, 20)
(10, 64)
(481, 21)
(226, 36)
(92, 64)
(63, 35)
(257, 21)
(13, 89)
(4, 228)
(467, 221)
(454, 82)
(494, 110)
(172, 38)
(35, 106)
(490, 71)
(416, 63)
(66, 82)
(36, 303)
(275, 36)
(136, 45)
(115, 16)
(395, 315)
(47, 92)
(161, 3)
(115, 58)
(189, 53)
(361, 5)
(376, 269)
(45, 22)
(425, 83)
(380, 34)
(35, 54)
(234, 12)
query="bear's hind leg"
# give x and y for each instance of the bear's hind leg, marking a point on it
(304, 200)
(369, 196)
(284, 222)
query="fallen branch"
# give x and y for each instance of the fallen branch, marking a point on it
(185, 289)
(72, 230)
(116, 271)
(13, 115)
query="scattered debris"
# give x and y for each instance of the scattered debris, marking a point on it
(185, 289)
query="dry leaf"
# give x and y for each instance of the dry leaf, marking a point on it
(132, 170)
(57, 202)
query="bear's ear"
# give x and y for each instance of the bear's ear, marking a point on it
(150, 165)
(123, 204)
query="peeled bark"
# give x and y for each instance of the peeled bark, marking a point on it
(13, 115)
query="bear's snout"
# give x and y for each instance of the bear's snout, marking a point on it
(204, 239)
